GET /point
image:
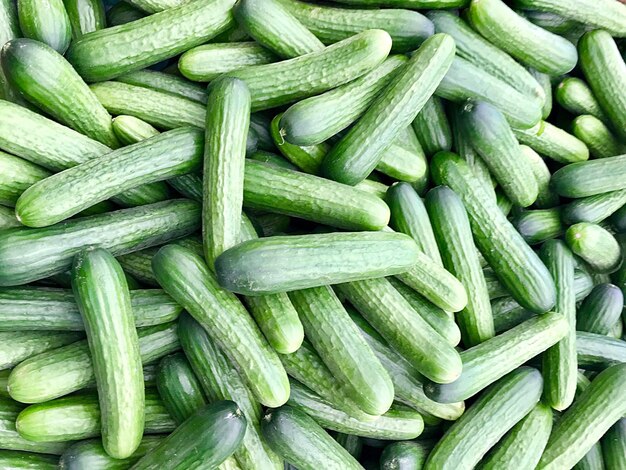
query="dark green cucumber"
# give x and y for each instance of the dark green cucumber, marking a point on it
(597, 136)
(496, 290)
(432, 127)
(90, 454)
(85, 16)
(339, 257)
(16, 346)
(122, 13)
(300, 440)
(516, 265)
(404, 456)
(594, 209)
(460, 256)
(575, 96)
(186, 277)
(590, 178)
(15, 460)
(105, 54)
(354, 157)
(502, 406)
(601, 310)
(485, 363)
(130, 130)
(507, 313)
(596, 245)
(45, 21)
(614, 446)
(307, 158)
(537, 226)
(553, 142)
(597, 352)
(67, 369)
(4, 382)
(598, 408)
(353, 444)
(16, 175)
(165, 82)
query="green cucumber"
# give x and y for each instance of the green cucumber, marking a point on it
(273, 159)
(523, 445)
(90, 454)
(614, 446)
(103, 299)
(85, 16)
(130, 130)
(67, 369)
(507, 313)
(4, 382)
(411, 4)
(519, 269)
(206, 438)
(404, 456)
(404, 160)
(601, 310)
(260, 124)
(537, 226)
(165, 82)
(555, 23)
(186, 277)
(45, 21)
(599, 138)
(7, 218)
(496, 290)
(574, 95)
(15, 176)
(597, 352)
(432, 127)
(354, 157)
(598, 408)
(300, 440)
(553, 142)
(460, 256)
(594, 209)
(353, 444)
(590, 178)
(122, 13)
(592, 460)
(17, 346)
(485, 363)
(408, 29)
(500, 408)
(15, 460)
(155, 6)
(545, 81)
(307, 158)
(274, 27)
(273, 85)
(106, 54)
(596, 245)
(339, 257)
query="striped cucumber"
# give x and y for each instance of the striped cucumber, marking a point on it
(597, 136)
(90, 454)
(614, 446)
(45, 21)
(16, 176)
(553, 142)
(601, 310)
(537, 226)
(594, 209)
(179, 388)
(574, 95)
(590, 178)
(85, 16)
(596, 245)
(167, 83)
(597, 352)
(432, 127)
(17, 346)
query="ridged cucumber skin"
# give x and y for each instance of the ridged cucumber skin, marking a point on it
(220, 380)
(597, 136)
(318, 118)
(537, 226)
(342, 348)
(228, 119)
(614, 446)
(504, 404)
(404, 456)
(103, 299)
(90, 454)
(16, 175)
(553, 142)
(396, 423)
(409, 216)
(485, 363)
(45, 21)
(432, 127)
(601, 310)
(596, 245)
(493, 139)
(598, 408)
(7, 218)
(594, 209)
(186, 277)
(17, 346)
(545, 82)
(472, 47)
(523, 445)
(105, 54)
(405, 331)
(273, 85)
(11, 459)
(605, 71)
(339, 257)
(356, 155)
(85, 16)
(460, 256)
(178, 387)
(592, 460)
(167, 83)
(301, 441)
(130, 130)
(68, 369)
(408, 29)
(78, 417)
(169, 154)
(574, 95)
(207, 438)
(122, 13)
(597, 352)
(466, 81)
(590, 178)
(516, 265)
(207, 62)
(559, 364)
(274, 27)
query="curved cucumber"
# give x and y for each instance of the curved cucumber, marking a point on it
(596, 245)
(45, 21)
(415, 4)
(167, 83)
(90, 454)
(553, 142)
(594, 209)
(85, 16)
(597, 136)
(601, 310)
(404, 455)
(575, 96)
(17, 346)
(16, 175)
(590, 178)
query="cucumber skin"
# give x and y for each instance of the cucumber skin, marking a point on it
(404, 455)
(596, 245)
(597, 352)
(432, 127)
(601, 310)
(597, 136)
(130, 130)
(45, 21)
(10, 459)
(594, 209)
(16, 176)
(122, 13)
(18, 346)
(575, 96)
(85, 16)
(590, 178)
(553, 142)
(90, 454)
(614, 446)
(537, 226)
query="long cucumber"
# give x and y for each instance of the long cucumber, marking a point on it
(165, 82)
(594, 209)
(17, 346)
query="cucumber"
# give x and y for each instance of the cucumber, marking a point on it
(592, 460)
(206, 438)
(545, 81)
(597, 352)
(353, 444)
(90, 454)
(67, 369)
(537, 226)
(16, 175)
(454, 236)
(273, 159)
(432, 127)
(519, 269)
(413, 4)
(591, 178)
(507, 313)
(405, 331)
(300, 440)
(122, 13)
(307, 158)
(500, 408)
(404, 455)
(167, 83)
(105, 54)
(260, 124)
(553, 142)
(103, 299)
(7, 218)
(273, 85)
(594, 209)
(4, 381)
(274, 27)
(614, 446)
(496, 290)
(16, 346)
(130, 130)
(574, 95)
(493, 139)
(339, 257)
(605, 71)
(601, 310)
(354, 157)
(85, 16)
(155, 6)
(14, 460)
(555, 23)
(595, 245)
(485, 363)
(186, 277)
(345, 352)
(515, 35)
(546, 197)
(597, 409)
(599, 138)
(45, 21)
(408, 29)
(467, 81)
(318, 118)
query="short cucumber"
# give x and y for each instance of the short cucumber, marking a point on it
(596, 245)
(590, 178)
(594, 209)
(45, 21)
(122, 13)
(597, 352)
(16, 175)
(105, 54)
(601, 310)
(502, 406)
(432, 127)
(574, 95)
(553, 142)
(16, 346)
(537, 226)
(404, 455)
(165, 82)
(599, 138)
(90, 454)
(614, 446)
(85, 16)
(11, 459)
(130, 130)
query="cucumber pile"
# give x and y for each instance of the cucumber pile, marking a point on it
(301, 235)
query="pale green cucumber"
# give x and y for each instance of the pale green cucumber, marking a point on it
(17, 175)
(17, 346)
(597, 136)
(546, 197)
(167, 83)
